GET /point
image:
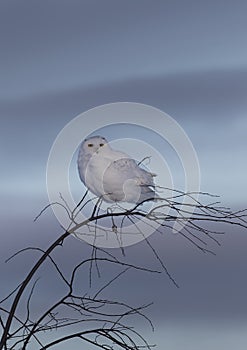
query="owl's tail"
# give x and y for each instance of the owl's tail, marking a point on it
(148, 194)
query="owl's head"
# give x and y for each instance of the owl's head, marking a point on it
(93, 144)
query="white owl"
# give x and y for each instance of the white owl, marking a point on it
(113, 175)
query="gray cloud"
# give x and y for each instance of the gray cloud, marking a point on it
(66, 44)
(215, 94)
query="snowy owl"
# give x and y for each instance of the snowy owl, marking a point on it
(112, 175)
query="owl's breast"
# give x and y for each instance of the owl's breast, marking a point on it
(95, 173)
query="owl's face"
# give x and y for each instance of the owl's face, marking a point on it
(94, 144)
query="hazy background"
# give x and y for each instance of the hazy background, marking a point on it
(188, 58)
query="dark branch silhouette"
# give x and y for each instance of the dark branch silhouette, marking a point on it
(91, 318)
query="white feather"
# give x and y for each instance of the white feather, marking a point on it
(113, 175)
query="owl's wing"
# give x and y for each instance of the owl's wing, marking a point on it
(129, 169)
(124, 169)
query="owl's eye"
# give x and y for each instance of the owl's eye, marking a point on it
(101, 144)
(90, 145)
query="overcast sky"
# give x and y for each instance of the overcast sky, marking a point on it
(189, 58)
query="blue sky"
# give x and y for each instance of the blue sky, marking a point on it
(188, 58)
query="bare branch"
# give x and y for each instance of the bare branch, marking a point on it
(109, 319)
